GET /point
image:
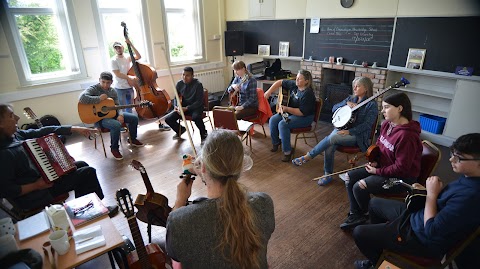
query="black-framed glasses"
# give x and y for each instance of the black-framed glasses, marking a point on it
(457, 158)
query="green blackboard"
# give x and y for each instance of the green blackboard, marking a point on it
(353, 39)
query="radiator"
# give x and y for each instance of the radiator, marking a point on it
(212, 80)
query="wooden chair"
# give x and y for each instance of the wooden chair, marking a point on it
(17, 213)
(225, 118)
(431, 156)
(106, 130)
(355, 150)
(411, 261)
(263, 113)
(205, 114)
(309, 131)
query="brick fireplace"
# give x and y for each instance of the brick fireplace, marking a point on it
(333, 82)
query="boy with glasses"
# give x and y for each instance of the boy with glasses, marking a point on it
(449, 216)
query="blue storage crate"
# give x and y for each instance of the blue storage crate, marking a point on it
(432, 124)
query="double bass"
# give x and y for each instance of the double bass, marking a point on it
(146, 87)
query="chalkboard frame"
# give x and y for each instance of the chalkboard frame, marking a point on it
(377, 49)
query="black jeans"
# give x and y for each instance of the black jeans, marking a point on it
(83, 181)
(174, 116)
(372, 239)
(358, 197)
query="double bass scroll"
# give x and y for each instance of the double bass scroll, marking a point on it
(146, 86)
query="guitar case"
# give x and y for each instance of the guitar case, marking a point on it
(47, 120)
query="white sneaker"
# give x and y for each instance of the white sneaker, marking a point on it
(343, 177)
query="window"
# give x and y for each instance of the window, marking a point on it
(111, 13)
(41, 40)
(184, 28)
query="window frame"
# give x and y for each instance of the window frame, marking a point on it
(69, 34)
(198, 16)
(99, 25)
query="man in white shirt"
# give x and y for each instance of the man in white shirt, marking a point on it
(122, 82)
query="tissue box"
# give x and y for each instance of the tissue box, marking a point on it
(88, 239)
(432, 124)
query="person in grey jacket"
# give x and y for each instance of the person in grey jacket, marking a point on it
(232, 227)
(357, 135)
(101, 91)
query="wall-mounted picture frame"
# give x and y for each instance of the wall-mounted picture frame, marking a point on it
(415, 58)
(263, 50)
(283, 48)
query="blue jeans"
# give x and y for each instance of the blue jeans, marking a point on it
(125, 97)
(115, 127)
(279, 129)
(329, 145)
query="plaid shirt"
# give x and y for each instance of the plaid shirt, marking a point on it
(248, 92)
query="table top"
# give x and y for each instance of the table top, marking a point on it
(113, 240)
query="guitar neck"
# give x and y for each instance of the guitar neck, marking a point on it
(108, 108)
(148, 184)
(138, 241)
(371, 98)
(38, 123)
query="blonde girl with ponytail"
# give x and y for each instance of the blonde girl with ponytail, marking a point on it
(229, 229)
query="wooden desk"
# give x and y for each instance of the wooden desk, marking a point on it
(71, 259)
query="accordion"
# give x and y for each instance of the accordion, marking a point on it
(50, 156)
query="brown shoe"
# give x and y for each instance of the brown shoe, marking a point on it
(135, 143)
(117, 155)
(287, 157)
(275, 148)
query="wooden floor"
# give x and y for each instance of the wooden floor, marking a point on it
(307, 233)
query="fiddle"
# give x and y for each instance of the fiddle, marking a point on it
(372, 155)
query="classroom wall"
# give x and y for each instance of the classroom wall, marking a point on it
(288, 9)
(60, 99)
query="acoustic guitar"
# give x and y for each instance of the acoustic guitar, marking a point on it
(152, 207)
(283, 100)
(235, 95)
(92, 113)
(144, 257)
(345, 116)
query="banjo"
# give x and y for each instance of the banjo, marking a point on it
(344, 116)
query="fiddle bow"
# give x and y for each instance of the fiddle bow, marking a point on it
(372, 154)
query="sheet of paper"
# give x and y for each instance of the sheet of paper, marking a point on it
(314, 26)
(33, 225)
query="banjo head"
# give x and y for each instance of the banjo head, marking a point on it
(341, 116)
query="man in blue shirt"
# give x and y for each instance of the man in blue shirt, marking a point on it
(449, 216)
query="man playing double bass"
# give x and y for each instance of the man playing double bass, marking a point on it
(120, 64)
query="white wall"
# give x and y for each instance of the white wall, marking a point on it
(60, 99)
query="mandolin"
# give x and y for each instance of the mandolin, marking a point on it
(345, 116)
(152, 207)
(415, 199)
(144, 257)
(92, 113)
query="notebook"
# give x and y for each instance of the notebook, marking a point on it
(33, 225)
(84, 209)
